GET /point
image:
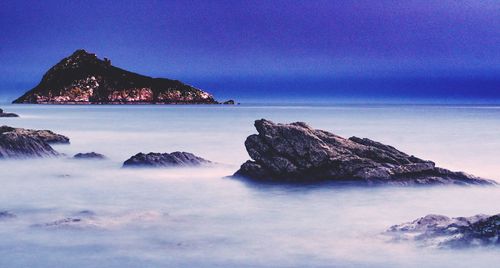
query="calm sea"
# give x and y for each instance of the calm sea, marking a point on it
(197, 217)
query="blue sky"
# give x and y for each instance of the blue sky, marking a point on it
(268, 49)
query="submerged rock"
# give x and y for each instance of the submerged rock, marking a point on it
(83, 78)
(2, 114)
(165, 160)
(6, 215)
(22, 143)
(91, 155)
(298, 153)
(442, 231)
(66, 222)
(87, 219)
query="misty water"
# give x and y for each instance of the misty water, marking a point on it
(198, 217)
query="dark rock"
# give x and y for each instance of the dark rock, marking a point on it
(298, 153)
(442, 231)
(6, 215)
(91, 155)
(2, 114)
(229, 102)
(44, 135)
(22, 143)
(66, 222)
(82, 78)
(79, 220)
(165, 160)
(86, 213)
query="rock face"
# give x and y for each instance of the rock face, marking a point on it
(82, 78)
(296, 152)
(91, 155)
(165, 160)
(2, 114)
(23, 143)
(442, 231)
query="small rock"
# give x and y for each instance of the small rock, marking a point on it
(66, 222)
(442, 231)
(91, 155)
(6, 215)
(86, 213)
(165, 160)
(2, 114)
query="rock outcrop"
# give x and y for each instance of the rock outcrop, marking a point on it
(2, 114)
(442, 231)
(174, 159)
(23, 143)
(91, 155)
(83, 78)
(44, 135)
(298, 153)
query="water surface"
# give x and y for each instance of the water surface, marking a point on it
(196, 217)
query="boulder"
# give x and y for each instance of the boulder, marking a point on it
(442, 231)
(91, 155)
(165, 160)
(298, 153)
(23, 143)
(44, 135)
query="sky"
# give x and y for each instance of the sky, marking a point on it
(251, 50)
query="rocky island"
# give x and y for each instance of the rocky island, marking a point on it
(83, 78)
(442, 231)
(298, 153)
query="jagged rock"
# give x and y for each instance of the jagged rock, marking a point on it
(165, 160)
(297, 152)
(91, 155)
(2, 114)
(442, 231)
(22, 143)
(44, 135)
(6, 215)
(84, 78)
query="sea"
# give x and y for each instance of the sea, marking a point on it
(202, 217)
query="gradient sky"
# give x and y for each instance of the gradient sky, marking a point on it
(268, 49)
